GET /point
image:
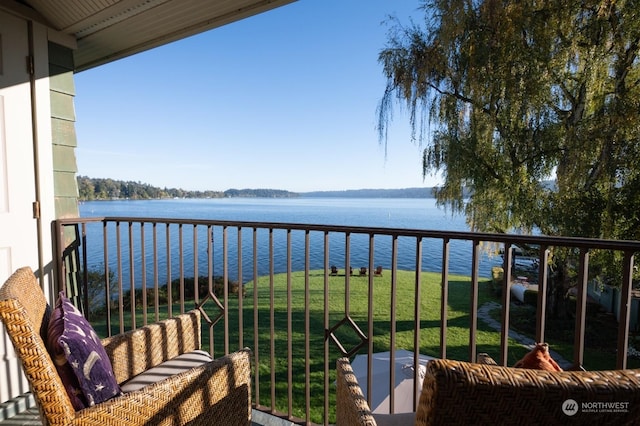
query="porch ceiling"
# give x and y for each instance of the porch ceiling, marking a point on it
(107, 30)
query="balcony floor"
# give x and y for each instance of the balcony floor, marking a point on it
(30, 417)
(25, 418)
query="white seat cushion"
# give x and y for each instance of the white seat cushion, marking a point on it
(168, 368)
(399, 419)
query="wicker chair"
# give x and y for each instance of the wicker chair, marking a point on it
(456, 392)
(215, 392)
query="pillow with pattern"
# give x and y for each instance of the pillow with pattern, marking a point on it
(538, 359)
(72, 337)
(55, 328)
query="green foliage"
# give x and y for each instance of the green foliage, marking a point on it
(217, 287)
(183, 289)
(108, 189)
(259, 193)
(514, 93)
(531, 297)
(96, 294)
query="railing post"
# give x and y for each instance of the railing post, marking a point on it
(473, 307)
(392, 321)
(132, 278)
(581, 308)
(181, 267)
(169, 273)
(225, 288)
(59, 239)
(506, 302)
(272, 320)
(625, 310)
(542, 293)
(156, 272)
(143, 271)
(107, 278)
(325, 321)
(120, 283)
(370, 322)
(256, 318)
(347, 272)
(307, 325)
(289, 328)
(444, 298)
(417, 297)
(240, 292)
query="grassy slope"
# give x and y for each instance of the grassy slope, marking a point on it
(292, 307)
(290, 362)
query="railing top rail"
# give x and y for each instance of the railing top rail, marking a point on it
(538, 240)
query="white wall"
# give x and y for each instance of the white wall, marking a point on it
(26, 169)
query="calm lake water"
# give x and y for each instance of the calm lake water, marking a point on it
(390, 213)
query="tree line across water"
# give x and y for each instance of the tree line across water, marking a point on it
(110, 189)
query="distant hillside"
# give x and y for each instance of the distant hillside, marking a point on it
(110, 189)
(373, 193)
(426, 192)
(259, 193)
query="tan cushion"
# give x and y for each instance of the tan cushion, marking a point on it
(400, 419)
(168, 368)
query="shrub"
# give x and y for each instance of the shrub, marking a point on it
(203, 287)
(531, 297)
(497, 277)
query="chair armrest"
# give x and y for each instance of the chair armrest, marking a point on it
(352, 408)
(218, 391)
(456, 392)
(136, 351)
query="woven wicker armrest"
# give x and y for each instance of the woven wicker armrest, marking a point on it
(216, 393)
(136, 351)
(352, 408)
(456, 392)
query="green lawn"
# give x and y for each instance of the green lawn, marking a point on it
(288, 314)
(601, 334)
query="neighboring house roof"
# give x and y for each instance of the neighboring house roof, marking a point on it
(106, 30)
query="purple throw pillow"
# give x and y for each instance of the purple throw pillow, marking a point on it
(68, 377)
(72, 337)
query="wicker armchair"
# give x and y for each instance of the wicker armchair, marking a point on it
(456, 392)
(215, 392)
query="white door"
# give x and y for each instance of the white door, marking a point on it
(18, 228)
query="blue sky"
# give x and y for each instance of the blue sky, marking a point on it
(283, 100)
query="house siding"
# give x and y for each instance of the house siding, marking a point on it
(63, 131)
